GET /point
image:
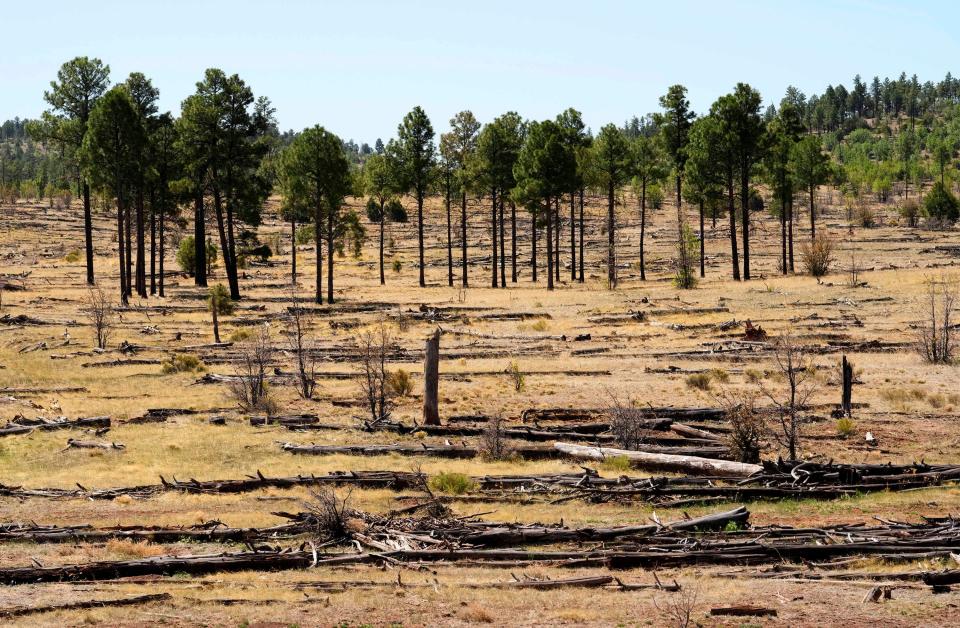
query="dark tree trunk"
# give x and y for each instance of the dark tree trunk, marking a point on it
(813, 214)
(503, 248)
(88, 231)
(128, 228)
(702, 242)
(449, 237)
(533, 243)
(611, 239)
(230, 261)
(423, 281)
(318, 238)
(163, 241)
(493, 236)
(141, 246)
(383, 224)
(199, 242)
(463, 237)
(556, 242)
(790, 234)
(121, 246)
(216, 325)
(745, 204)
(581, 235)
(643, 228)
(431, 380)
(733, 230)
(549, 209)
(573, 237)
(783, 234)
(513, 242)
(293, 251)
(153, 243)
(330, 242)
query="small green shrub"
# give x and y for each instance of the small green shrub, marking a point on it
(699, 381)
(72, 257)
(305, 234)
(519, 379)
(719, 375)
(182, 363)
(452, 483)
(186, 256)
(941, 204)
(817, 256)
(397, 266)
(540, 325)
(846, 427)
(241, 334)
(616, 464)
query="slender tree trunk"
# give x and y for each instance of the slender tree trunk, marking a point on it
(199, 242)
(573, 237)
(163, 240)
(449, 238)
(556, 243)
(513, 242)
(643, 227)
(463, 236)
(790, 234)
(431, 380)
(733, 230)
(813, 214)
(549, 209)
(493, 235)
(423, 281)
(611, 237)
(128, 228)
(318, 238)
(121, 246)
(141, 246)
(533, 243)
(88, 232)
(230, 261)
(216, 325)
(581, 235)
(745, 204)
(153, 243)
(783, 233)
(702, 242)
(330, 252)
(293, 251)
(503, 248)
(383, 221)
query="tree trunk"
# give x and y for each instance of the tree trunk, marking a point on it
(216, 325)
(199, 242)
(581, 235)
(643, 227)
(702, 242)
(813, 214)
(556, 243)
(611, 230)
(153, 244)
(128, 228)
(88, 231)
(330, 252)
(230, 261)
(463, 236)
(493, 236)
(383, 222)
(141, 246)
(423, 281)
(513, 242)
(293, 251)
(449, 237)
(790, 234)
(431, 379)
(533, 243)
(318, 239)
(692, 465)
(846, 402)
(573, 238)
(783, 234)
(549, 209)
(503, 255)
(163, 250)
(745, 206)
(733, 230)
(120, 245)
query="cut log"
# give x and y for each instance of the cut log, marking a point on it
(431, 377)
(20, 611)
(743, 611)
(662, 462)
(93, 444)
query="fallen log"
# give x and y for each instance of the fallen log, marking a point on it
(290, 420)
(528, 452)
(22, 425)
(662, 461)
(20, 611)
(743, 611)
(92, 444)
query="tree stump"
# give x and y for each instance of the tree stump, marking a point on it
(431, 377)
(846, 400)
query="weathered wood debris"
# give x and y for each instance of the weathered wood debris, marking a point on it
(23, 425)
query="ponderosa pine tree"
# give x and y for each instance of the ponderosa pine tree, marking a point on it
(72, 97)
(462, 144)
(416, 155)
(543, 170)
(703, 175)
(111, 148)
(612, 164)
(783, 132)
(380, 184)
(144, 97)
(574, 131)
(674, 124)
(167, 182)
(719, 137)
(650, 167)
(316, 174)
(811, 168)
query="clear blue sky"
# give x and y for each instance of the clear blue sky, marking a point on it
(357, 66)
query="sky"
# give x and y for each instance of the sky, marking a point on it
(356, 67)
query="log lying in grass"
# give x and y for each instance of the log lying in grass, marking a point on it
(290, 420)
(23, 425)
(650, 412)
(662, 461)
(212, 532)
(93, 444)
(528, 452)
(20, 611)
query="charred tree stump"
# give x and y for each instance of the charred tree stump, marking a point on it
(846, 403)
(431, 377)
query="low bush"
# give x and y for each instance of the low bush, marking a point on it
(452, 483)
(182, 363)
